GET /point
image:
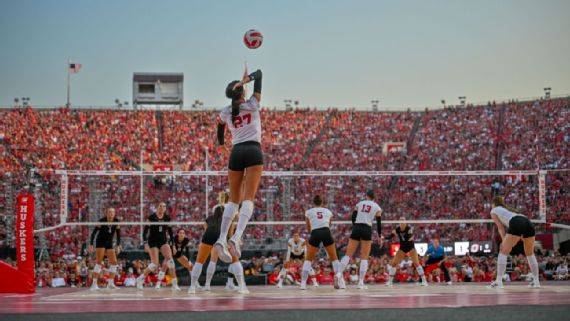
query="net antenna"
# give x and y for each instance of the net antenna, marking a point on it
(65, 174)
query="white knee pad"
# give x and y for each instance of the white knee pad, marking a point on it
(230, 209)
(151, 267)
(170, 264)
(246, 208)
(97, 269)
(113, 269)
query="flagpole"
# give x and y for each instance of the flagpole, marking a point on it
(68, 105)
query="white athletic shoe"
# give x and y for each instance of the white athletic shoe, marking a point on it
(94, 287)
(157, 286)
(362, 286)
(234, 248)
(495, 285)
(111, 286)
(140, 283)
(192, 290)
(341, 282)
(206, 288)
(423, 283)
(315, 283)
(449, 283)
(534, 284)
(243, 290)
(223, 253)
(389, 284)
(175, 288)
(279, 285)
(303, 286)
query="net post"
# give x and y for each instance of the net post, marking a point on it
(542, 195)
(141, 203)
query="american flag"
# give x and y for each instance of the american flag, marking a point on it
(74, 68)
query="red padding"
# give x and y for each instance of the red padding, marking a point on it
(14, 281)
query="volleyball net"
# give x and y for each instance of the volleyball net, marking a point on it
(421, 197)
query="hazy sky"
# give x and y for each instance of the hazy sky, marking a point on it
(325, 53)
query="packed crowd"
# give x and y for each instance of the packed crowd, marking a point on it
(516, 135)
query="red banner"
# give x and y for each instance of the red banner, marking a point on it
(21, 279)
(25, 232)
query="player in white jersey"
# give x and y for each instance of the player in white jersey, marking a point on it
(246, 160)
(318, 221)
(517, 227)
(362, 216)
(296, 249)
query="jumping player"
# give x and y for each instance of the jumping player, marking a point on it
(180, 250)
(157, 238)
(246, 160)
(436, 258)
(103, 237)
(318, 221)
(205, 249)
(405, 234)
(296, 249)
(364, 212)
(517, 227)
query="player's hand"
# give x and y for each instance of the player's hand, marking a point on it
(90, 249)
(173, 250)
(146, 248)
(119, 249)
(239, 84)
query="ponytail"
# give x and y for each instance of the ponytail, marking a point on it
(235, 107)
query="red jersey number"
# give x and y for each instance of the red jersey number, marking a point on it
(240, 120)
(320, 215)
(366, 208)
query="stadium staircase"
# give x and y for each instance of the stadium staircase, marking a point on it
(499, 141)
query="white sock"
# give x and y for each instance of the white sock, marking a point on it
(196, 271)
(305, 272)
(160, 276)
(344, 262)
(501, 267)
(245, 214)
(237, 271)
(336, 266)
(229, 210)
(174, 282)
(533, 267)
(282, 274)
(230, 281)
(210, 272)
(391, 272)
(362, 270)
(421, 273)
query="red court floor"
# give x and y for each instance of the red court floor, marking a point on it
(270, 298)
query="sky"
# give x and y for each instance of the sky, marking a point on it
(407, 54)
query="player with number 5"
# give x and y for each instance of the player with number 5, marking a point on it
(318, 221)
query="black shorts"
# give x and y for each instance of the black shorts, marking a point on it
(433, 260)
(245, 155)
(210, 237)
(521, 226)
(156, 243)
(321, 235)
(361, 232)
(107, 244)
(294, 256)
(407, 247)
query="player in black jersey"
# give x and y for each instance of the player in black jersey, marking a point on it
(180, 250)
(102, 242)
(211, 234)
(405, 234)
(157, 240)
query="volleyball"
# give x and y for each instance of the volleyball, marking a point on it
(253, 39)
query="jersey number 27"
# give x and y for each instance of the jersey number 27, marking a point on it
(239, 120)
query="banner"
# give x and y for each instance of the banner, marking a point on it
(25, 233)
(22, 278)
(393, 147)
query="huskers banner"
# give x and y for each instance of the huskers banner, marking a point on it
(25, 232)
